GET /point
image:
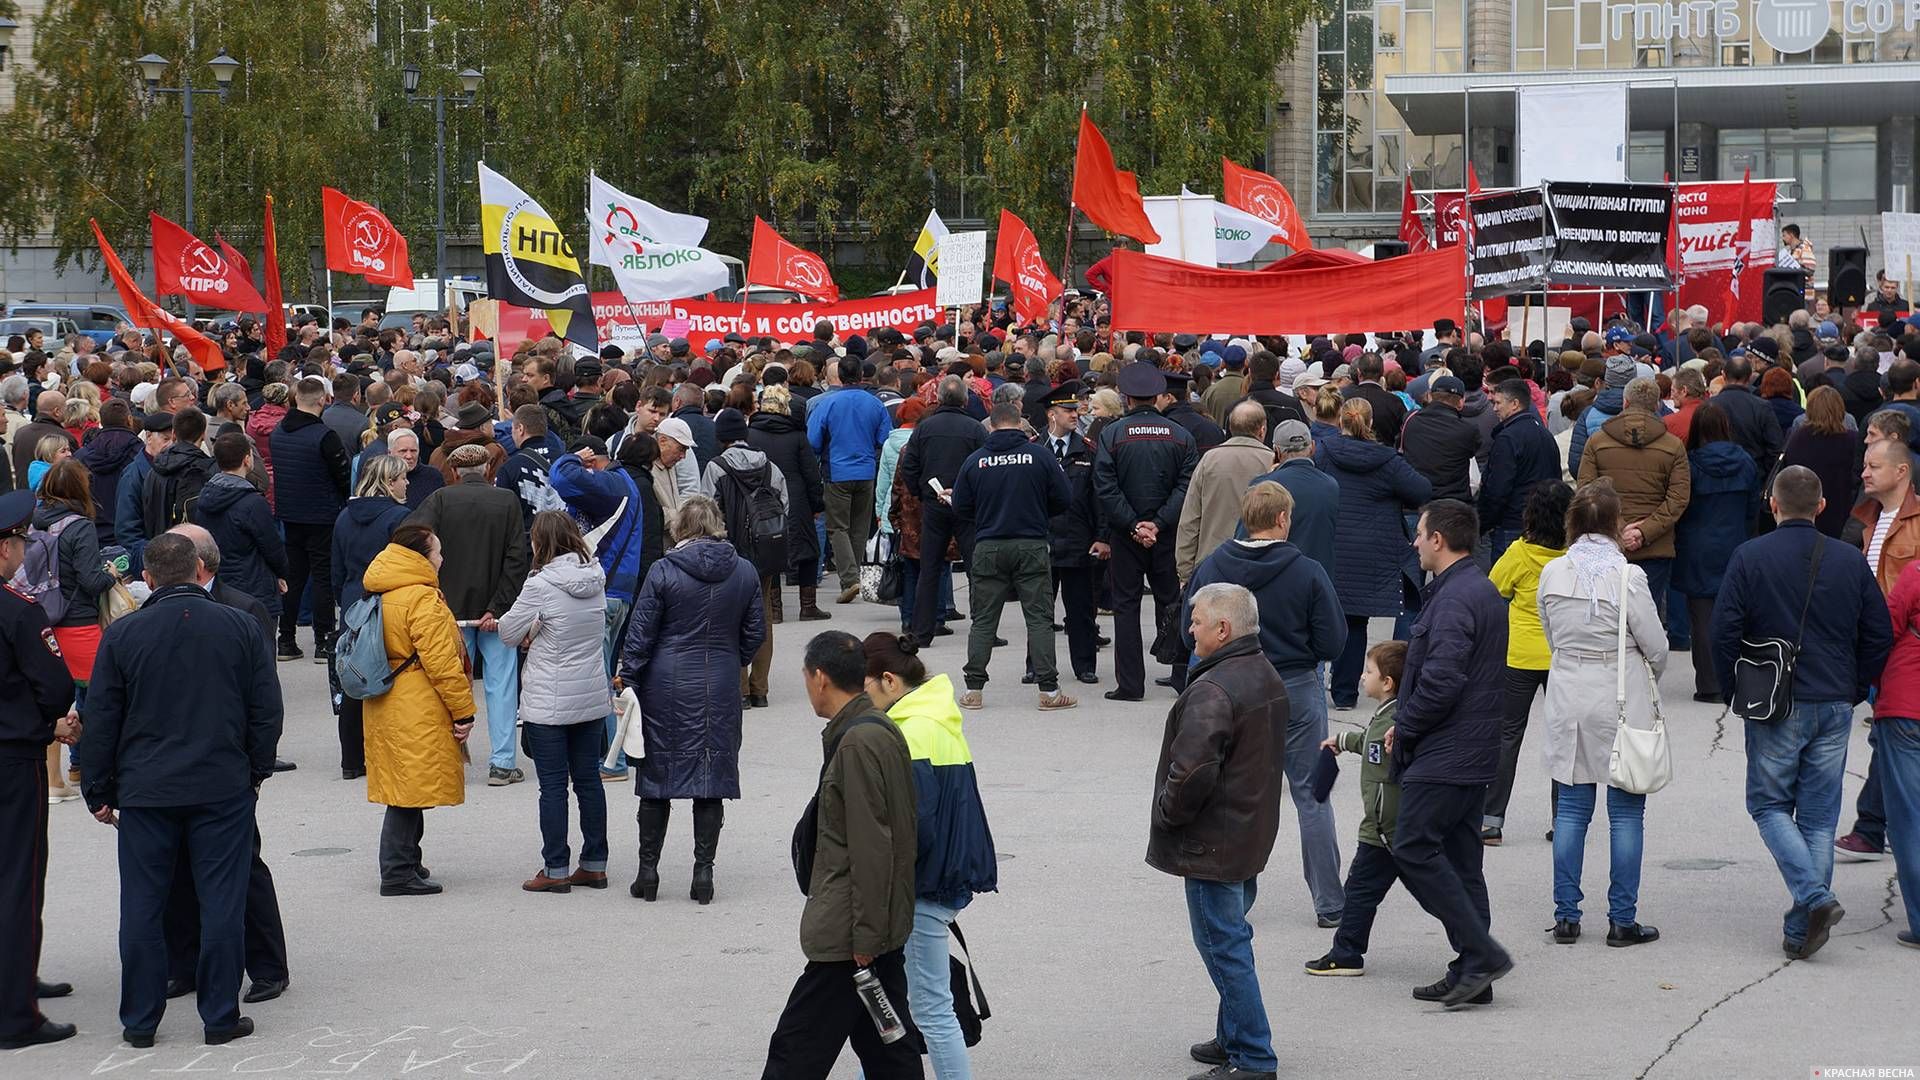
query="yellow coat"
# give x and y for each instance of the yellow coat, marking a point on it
(412, 758)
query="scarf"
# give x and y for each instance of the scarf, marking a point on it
(1596, 561)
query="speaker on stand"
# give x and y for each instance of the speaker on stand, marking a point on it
(1847, 276)
(1785, 293)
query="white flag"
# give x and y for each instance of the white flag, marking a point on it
(653, 253)
(1237, 235)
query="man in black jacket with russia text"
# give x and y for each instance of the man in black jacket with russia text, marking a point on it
(1445, 744)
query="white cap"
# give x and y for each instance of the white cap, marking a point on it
(676, 429)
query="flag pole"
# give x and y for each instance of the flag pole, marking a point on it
(1066, 257)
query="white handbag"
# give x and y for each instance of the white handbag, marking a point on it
(631, 734)
(1642, 762)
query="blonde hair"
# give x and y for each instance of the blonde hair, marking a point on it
(776, 399)
(1106, 402)
(377, 474)
(1356, 418)
(1263, 505)
(699, 516)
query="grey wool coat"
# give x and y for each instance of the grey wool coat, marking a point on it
(561, 619)
(1582, 630)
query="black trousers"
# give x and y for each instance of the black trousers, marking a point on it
(1700, 613)
(400, 833)
(266, 939)
(1369, 878)
(23, 889)
(939, 525)
(215, 837)
(1136, 569)
(824, 1013)
(1522, 683)
(1437, 847)
(309, 557)
(1075, 584)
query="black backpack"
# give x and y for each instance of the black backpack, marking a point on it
(170, 499)
(756, 519)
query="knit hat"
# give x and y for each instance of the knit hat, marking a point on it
(468, 456)
(1290, 369)
(730, 427)
(1620, 371)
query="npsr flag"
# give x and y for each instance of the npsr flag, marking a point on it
(529, 262)
(923, 266)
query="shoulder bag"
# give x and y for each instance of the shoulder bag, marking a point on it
(806, 831)
(1762, 688)
(1642, 762)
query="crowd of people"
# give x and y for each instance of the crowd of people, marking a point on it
(1542, 522)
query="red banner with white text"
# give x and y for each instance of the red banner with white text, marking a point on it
(1155, 295)
(1706, 221)
(620, 322)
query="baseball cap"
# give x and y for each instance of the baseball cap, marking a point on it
(1447, 384)
(1292, 437)
(593, 444)
(1618, 335)
(676, 429)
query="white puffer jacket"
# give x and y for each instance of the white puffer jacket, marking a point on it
(561, 618)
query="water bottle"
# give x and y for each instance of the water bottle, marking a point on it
(874, 997)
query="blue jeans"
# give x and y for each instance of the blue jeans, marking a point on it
(1218, 913)
(1626, 833)
(910, 580)
(616, 621)
(561, 752)
(930, 991)
(1319, 843)
(500, 675)
(1794, 770)
(1659, 576)
(1896, 746)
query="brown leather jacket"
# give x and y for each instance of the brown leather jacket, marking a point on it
(1902, 544)
(1216, 804)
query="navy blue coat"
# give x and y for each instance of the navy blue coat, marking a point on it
(1454, 686)
(1377, 490)
(360, 532)
(706, 438)
(1523, 455)
(1848, 631)
(1301, 623)
(252, 557)
(310, 470)
(1010, 488)
(109, 454)
(1723, 504)
(695, 624)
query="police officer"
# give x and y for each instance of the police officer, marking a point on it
(1009, 489)
(1176, 404)
(1074, 537)
(1140, 474)
(35, 695)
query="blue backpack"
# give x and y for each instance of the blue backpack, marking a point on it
(360, 651)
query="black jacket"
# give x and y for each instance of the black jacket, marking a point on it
(360, 532)
(1010, 488)
(1861, 391)
(1141, 469)
(310, 470)
(253, 609)
(1206, 434)
(1301, 622)
(35, 688)
(1454, 687)
(941, 442)
(1756, 427)
(173, 486)
(252, 556)
(83, 576)
(146, 743)
(1440, 443)
(1389, 412)
(706, 439)
(106, 455)
(1847, 634)
(1280, 406)
(1523, 455)
(482, 544)
(785, 443)
(1072, 532)
(554, 402)
(1034, 406)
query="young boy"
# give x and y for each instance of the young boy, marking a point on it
(1372, 871)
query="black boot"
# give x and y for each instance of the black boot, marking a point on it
(653, 816)
(707, 816)
(773, 600)
(810, 605)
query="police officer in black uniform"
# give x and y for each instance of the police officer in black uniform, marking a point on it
(36, 696)
(1140, 474)
(1074, 536)
(1176, 404)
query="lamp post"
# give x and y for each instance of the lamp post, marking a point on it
(152, 67)
(469, 87)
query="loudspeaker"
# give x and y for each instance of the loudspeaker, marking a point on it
(1785, 293)
(1388, 249)
(1847, 276)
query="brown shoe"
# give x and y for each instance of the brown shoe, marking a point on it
(540, 882)
(588, 879)
(73, 775)
(849, 594)
(972, 699)
(1056, 700)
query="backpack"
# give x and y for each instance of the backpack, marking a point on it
(176, 497)
(756, 521)
(360, 652)
(38, 578)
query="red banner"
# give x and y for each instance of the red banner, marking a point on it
(1265, 198)
(775, 262)
(1155, 295)
(360, 240)
(183, 265)
(1707, 224)
(276, 324)
(1017, 261)
(1107, 194)
(228, 253)
(145, 312)
(620, 323)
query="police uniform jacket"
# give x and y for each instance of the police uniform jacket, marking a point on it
(35, 689)
(1073, 531)
(1140, 471)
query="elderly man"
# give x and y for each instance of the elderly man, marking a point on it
(1648, 467)
(422, 478)
(1212, 509)
(1216, 812)
(26, 439)
(677, 442)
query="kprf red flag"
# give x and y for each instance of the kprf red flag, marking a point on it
(1742, 249)
(1267, 199)
(1412, 232)
(776, 263)
(151, 315)
(1108, 196)
(228, 253)
(1017, 261)
(276, 325)
(360, 240)
(183, 265)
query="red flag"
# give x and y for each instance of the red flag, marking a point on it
(239, 261)
(1267, 199)
(146, 313)
(183, 265)
(360, 240)
(1742, 248)
(1412, 232)
(276, 324)
(773, 261)
(1109, 197)
(1017, 261)
(1473, 180)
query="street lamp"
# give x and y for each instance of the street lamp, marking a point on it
(469, 87)
(153, 67)
(7, 27)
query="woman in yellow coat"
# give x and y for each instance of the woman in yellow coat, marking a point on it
(415, 729)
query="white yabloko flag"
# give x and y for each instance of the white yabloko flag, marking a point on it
(653, 253)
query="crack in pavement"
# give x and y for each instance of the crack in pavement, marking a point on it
(1704, 1013)
(1886, 910)
(1719, 731)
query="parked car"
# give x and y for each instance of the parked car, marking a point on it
(424, 296)
(97, 321)
(55, 329)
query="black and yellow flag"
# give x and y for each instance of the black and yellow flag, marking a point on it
(529, 262)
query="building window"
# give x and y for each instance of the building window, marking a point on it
(1835, 167)
(1568, 35)
(1363, 153)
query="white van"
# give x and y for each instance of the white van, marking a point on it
(425, 295)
